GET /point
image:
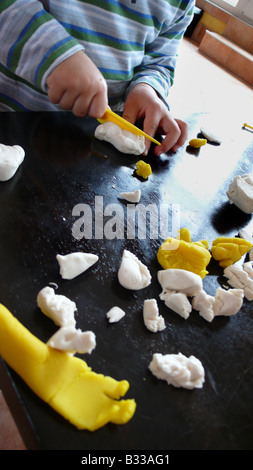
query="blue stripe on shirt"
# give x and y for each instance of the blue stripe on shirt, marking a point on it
(115, 71)
(49, 52)
(100, 35)
(134, 11)
(7, 98)
(22, 34)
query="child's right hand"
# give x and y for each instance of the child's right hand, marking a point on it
(77, 85)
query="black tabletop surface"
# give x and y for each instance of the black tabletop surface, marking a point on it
(66, 170)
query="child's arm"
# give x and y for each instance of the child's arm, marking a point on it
(159, 62)
(37, 49)
(148, 92)
(32, 41)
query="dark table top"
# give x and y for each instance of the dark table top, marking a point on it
(65, 166)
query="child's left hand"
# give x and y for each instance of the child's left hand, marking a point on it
(144, 103)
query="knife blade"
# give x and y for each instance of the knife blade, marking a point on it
(116, 119)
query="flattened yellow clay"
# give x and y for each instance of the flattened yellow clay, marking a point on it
(87, 399)
(182, 253)
(229, 250)
(197, 143)
(143, 169)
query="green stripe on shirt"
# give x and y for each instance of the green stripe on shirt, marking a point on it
(58, 52)
(120, 9)
(26, 35)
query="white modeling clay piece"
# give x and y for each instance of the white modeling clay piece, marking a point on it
(245, 235)
(227, 302)
(180, 280)
(73, 264)
(178, 370)
(210, 135)
(73, 340)
(178, 302)
(204, 304)
(11, 158)
(152, 320)
(57, 307)
(133, 274)
(133, 196)
(241, 278)
(248, 267)
(115, 314)
(124, 141)
(240, 193)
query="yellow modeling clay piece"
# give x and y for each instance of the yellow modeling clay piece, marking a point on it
(197, 143)
(228, 250)
(184, 234)
(181, 253)
(143, 169)
(88, 400)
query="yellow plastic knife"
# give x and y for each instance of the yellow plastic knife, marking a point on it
(247, 125)
(113, 117)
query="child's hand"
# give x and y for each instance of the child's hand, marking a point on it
(143, 102)
(77, 85)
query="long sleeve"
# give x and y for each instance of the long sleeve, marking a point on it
(158, 66)
(128, 42)
(32, 41)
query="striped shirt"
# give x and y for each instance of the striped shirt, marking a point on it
(130, 41)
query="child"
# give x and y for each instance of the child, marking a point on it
(85, 55)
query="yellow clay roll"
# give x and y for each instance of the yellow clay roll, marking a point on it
(86, 399)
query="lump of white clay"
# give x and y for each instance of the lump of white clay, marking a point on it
(178, 302)
(204, 304)
(133, 274)
(245, 235)
(241, 278)
(227, 302)
(124, 141)
(132, 196)
(178, 370)
(73, 340)
(209, 135)
(180, 280)
(115, 314)
(73, 264)
(11, 158)
(58, 308)
(224, 303)
(240, 193)
(248, 267)
(152, 320)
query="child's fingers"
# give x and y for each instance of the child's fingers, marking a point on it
(131, 112)
(80, 106)
(55, 94)
(150, 126)
(184, 128)
(68, 99)
(98, 104)
(76, 84)
(172, 134)
(92, 105)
